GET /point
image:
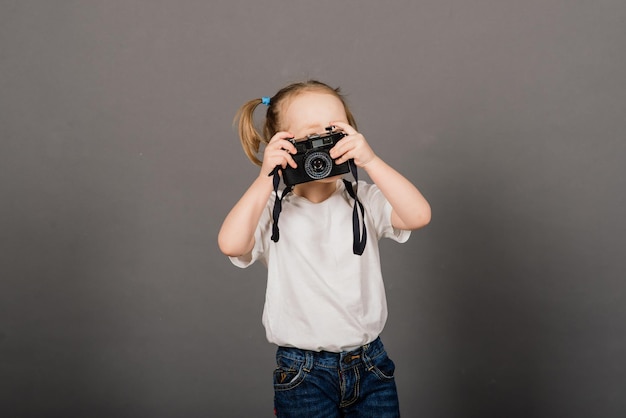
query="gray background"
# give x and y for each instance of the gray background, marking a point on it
(118, 163)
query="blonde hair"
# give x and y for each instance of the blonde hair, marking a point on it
(251, 138)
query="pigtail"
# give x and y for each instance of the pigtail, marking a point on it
(250, 137)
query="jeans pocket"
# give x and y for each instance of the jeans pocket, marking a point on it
(288, 374)
(382, 366)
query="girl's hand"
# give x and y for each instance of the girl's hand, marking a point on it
(278, 152)
(352, 146)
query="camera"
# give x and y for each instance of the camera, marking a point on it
(313, 159)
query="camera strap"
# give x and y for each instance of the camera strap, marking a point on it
(358, 225)
(359, 232)
(278, 202)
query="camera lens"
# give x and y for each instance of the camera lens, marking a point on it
(318, 165)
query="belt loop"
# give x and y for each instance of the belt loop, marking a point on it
(308, 361)
(366, 358)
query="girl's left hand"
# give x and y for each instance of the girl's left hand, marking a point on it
(352, 146)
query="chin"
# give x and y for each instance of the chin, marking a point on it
(332, 179)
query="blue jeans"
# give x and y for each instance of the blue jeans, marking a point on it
(359, 383)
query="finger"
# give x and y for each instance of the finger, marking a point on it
(284, 157)
(290, 147)
(281, 144)
(291, 161)
(342, 158)
(281, 136)
(347, 128)
(342, 147)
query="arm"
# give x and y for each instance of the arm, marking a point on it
(410, 210)
(236, 236)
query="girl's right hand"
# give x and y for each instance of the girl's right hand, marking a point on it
(278, 153)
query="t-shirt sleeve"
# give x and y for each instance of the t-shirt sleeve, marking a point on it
(262, 236)
(379, 210)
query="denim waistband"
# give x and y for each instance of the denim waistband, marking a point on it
(342, 360)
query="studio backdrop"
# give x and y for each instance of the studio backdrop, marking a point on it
(118, 163)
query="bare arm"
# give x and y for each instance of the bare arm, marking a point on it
(410, 208)
(236, 236)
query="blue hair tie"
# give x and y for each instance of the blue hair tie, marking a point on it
(266, 100)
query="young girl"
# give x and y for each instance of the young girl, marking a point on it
(325, 304)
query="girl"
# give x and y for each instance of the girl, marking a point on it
(325, 305)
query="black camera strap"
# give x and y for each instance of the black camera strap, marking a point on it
(358, 225)
(359, 232)
(278, 202)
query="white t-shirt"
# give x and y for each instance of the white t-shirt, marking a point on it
(320, 295)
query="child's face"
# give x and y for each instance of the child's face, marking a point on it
(311, 112)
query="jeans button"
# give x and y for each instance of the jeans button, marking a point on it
(350, 358)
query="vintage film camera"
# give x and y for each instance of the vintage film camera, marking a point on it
(313, 159)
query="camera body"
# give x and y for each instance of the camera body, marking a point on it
(313, 158)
